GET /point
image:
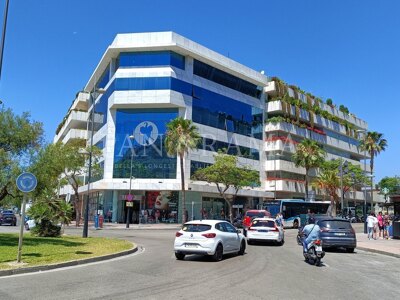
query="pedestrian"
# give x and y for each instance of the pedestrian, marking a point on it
(371, 221)
(109, 215)
(279, 219)
(386, 224)
(380, 224)
(186, 216)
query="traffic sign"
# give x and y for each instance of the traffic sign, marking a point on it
(129, 197)
(26, 182)
(237, 206)
(385, 190)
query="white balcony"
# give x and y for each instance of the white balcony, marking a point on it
(81, 102)
(305, 133)
(75, 134)
(296, 187)
(75, 119)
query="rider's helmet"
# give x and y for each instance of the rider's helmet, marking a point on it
(311, 220)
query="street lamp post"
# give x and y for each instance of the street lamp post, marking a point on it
(3, 36)
(364, 132)
(130, 198)
(86, 217)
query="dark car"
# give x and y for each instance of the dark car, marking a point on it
(337, 233)
(8, 217)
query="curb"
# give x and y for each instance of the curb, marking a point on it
(66, 264)
(379, 252)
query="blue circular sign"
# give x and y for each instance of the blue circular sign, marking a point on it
(26, 182)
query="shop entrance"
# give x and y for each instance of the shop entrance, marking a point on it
(134, 215)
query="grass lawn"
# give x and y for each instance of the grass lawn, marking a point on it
(38, 251)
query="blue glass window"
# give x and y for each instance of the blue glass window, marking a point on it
(149, 159)
(221, 112)
(104, 78)
(196, 165)
(230, 148)
(151, 59)
(213, 74)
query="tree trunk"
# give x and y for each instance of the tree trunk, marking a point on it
(306, 184)
(230, 202)
(77, 208)
(184, 213)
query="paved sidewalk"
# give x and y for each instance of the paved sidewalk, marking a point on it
(108, 226)
(382, 246)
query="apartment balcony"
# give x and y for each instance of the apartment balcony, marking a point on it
(288, 186)
(283, 165)
(298, 187)
(271, 90)
(81, 102)
(306, 133)
(76, 120)
(289, 147)
(276, 107)
(74, 134)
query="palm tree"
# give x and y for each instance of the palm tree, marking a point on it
(328, 181)
(308, 155)
(373, 143)
(181, 136)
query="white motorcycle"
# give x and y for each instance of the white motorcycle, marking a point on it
(314, 252)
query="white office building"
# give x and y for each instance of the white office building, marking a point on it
(150, 79)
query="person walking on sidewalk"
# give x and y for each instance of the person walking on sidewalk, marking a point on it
(371, 223)
(380, 225)
(386, 224)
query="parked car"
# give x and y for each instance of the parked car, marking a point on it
(29, 224)
(250, 215)
(265, 229)
(8, 217)
(337, 233)
(208, 237)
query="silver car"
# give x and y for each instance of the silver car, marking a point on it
(208, 237)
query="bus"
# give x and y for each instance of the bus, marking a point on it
(295, 211)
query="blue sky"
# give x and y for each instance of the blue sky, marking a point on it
(344, 50)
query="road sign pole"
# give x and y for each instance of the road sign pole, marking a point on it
(21, 229)
(26, 182)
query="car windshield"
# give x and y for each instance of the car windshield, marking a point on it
(335, 224)
(255, 214)
(266, 223)
(7, 212)
(196, 227)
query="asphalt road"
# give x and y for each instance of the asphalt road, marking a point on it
(264, 272)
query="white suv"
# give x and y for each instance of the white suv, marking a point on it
(208, 237)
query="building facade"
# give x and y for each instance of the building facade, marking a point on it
(148, 79)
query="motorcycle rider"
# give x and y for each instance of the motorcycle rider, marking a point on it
(310, 233)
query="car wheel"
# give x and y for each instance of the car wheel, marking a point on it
(350, 250)
(15, 224)
(295, 224)
(26, 226)
(218, 253)
(242, 248)
(179, 256)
